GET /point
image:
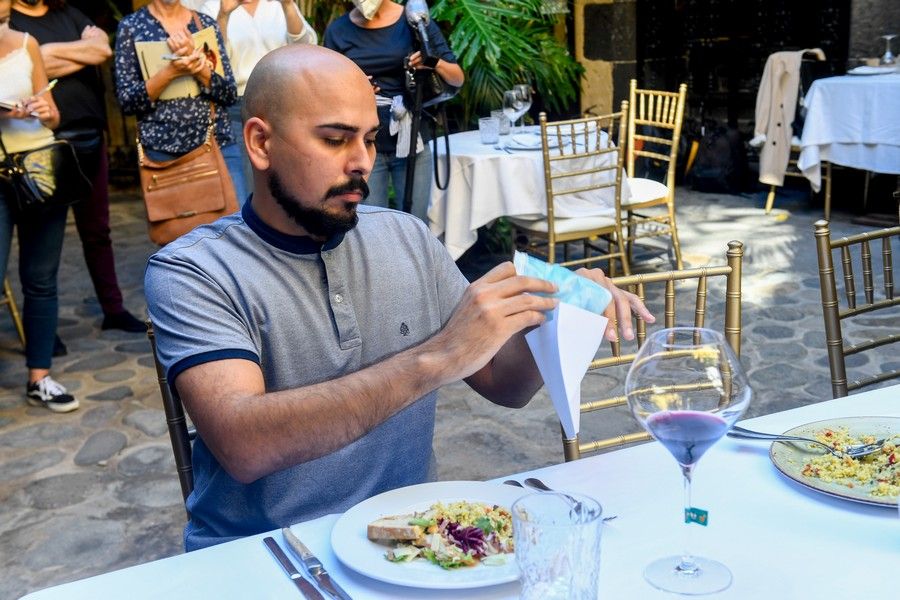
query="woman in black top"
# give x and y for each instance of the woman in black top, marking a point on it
(72, 47)
(379, 44)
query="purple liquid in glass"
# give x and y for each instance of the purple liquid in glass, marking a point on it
(687, 434)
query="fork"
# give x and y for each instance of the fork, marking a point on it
(535, 483)
(504, 148)
(855, 451)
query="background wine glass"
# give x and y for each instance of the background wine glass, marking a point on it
(888, 57)
(512, 106)
(523, 92)
(686, 387)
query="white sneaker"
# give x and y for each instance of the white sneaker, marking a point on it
(49, 393)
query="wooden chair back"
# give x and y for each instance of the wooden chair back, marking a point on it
(180, 434)
(580, 156)
(574, 448)
(654, 128)
(838, 350)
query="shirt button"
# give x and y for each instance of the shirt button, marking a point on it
(338, 298)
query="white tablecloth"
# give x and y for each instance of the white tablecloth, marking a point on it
(486, 183)
(854, 121)
(779, 539)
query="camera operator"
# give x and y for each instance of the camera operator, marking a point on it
(378, 38)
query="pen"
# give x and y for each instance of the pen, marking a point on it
(47, 87)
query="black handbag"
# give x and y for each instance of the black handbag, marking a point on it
(45, 177)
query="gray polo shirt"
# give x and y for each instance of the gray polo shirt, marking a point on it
(306, 313)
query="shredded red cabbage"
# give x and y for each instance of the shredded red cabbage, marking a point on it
(469, 539)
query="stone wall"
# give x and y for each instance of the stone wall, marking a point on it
(870, 19)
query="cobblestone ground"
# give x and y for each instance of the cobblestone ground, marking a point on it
(96, 490)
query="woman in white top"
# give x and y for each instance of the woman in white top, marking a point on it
(251, 30)
(23, 82)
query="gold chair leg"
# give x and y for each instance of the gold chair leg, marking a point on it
(828, 191)
(10, 300)
(770, 199)
(676, 243)
(632, 230)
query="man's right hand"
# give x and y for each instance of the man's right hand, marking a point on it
(492, 310)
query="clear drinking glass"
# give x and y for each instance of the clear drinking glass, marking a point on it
(557, 539)
(686, 387)
(504, 121)
(489, 127)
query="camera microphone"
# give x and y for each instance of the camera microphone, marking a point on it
(417, 12)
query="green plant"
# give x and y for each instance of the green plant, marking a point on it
(503, 42)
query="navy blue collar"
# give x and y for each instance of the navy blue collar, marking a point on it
(295, 244)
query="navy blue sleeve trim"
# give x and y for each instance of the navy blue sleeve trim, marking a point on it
(204, 357)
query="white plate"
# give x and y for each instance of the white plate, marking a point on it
(869, 70)
(354, 549)
(528, 141)
(791, 458)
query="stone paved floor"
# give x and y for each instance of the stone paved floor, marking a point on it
(95, 490)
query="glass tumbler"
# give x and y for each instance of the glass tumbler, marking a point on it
(489, 127)
(557, 539)
(504, 121)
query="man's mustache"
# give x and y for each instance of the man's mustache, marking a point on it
(355, 184)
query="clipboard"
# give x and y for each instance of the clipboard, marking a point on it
(152, 58)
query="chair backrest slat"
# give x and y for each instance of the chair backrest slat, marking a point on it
(700, 309)
(575, 447)
(847, 268)
(868, 287)
(887, 265)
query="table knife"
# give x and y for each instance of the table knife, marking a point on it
(305, 587)
(314, 566)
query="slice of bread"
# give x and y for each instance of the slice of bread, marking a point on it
(394, 528)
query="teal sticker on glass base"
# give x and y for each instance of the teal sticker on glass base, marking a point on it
(696, 515)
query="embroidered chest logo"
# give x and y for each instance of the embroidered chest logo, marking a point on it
(404, 330)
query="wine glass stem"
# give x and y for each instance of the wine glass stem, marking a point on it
(687, 565)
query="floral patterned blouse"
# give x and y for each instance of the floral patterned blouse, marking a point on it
(179, 125)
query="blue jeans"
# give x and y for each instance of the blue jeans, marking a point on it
(389, 167)
(40, 246)
(235, 156)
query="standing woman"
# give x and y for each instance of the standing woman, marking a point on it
(40, 232)
(72, 47)
(376, 36)
(171, 128)
(252, 29)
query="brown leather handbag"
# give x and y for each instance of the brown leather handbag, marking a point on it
(188, 191)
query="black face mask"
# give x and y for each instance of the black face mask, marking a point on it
(30, 2)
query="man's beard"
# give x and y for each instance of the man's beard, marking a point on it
(316, 221)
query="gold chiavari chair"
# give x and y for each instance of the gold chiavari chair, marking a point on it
(180, 434)
(794, 171)
(10, 301)
(575, 447)
(584, 157)
(654, 131)
(834, 315)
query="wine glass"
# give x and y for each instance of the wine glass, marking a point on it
(512, 106)
(523, 92)
(686, 387)
(888, 57)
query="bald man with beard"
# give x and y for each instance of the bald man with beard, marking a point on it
(307, 334)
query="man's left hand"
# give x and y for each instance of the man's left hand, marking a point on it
(622, 305)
